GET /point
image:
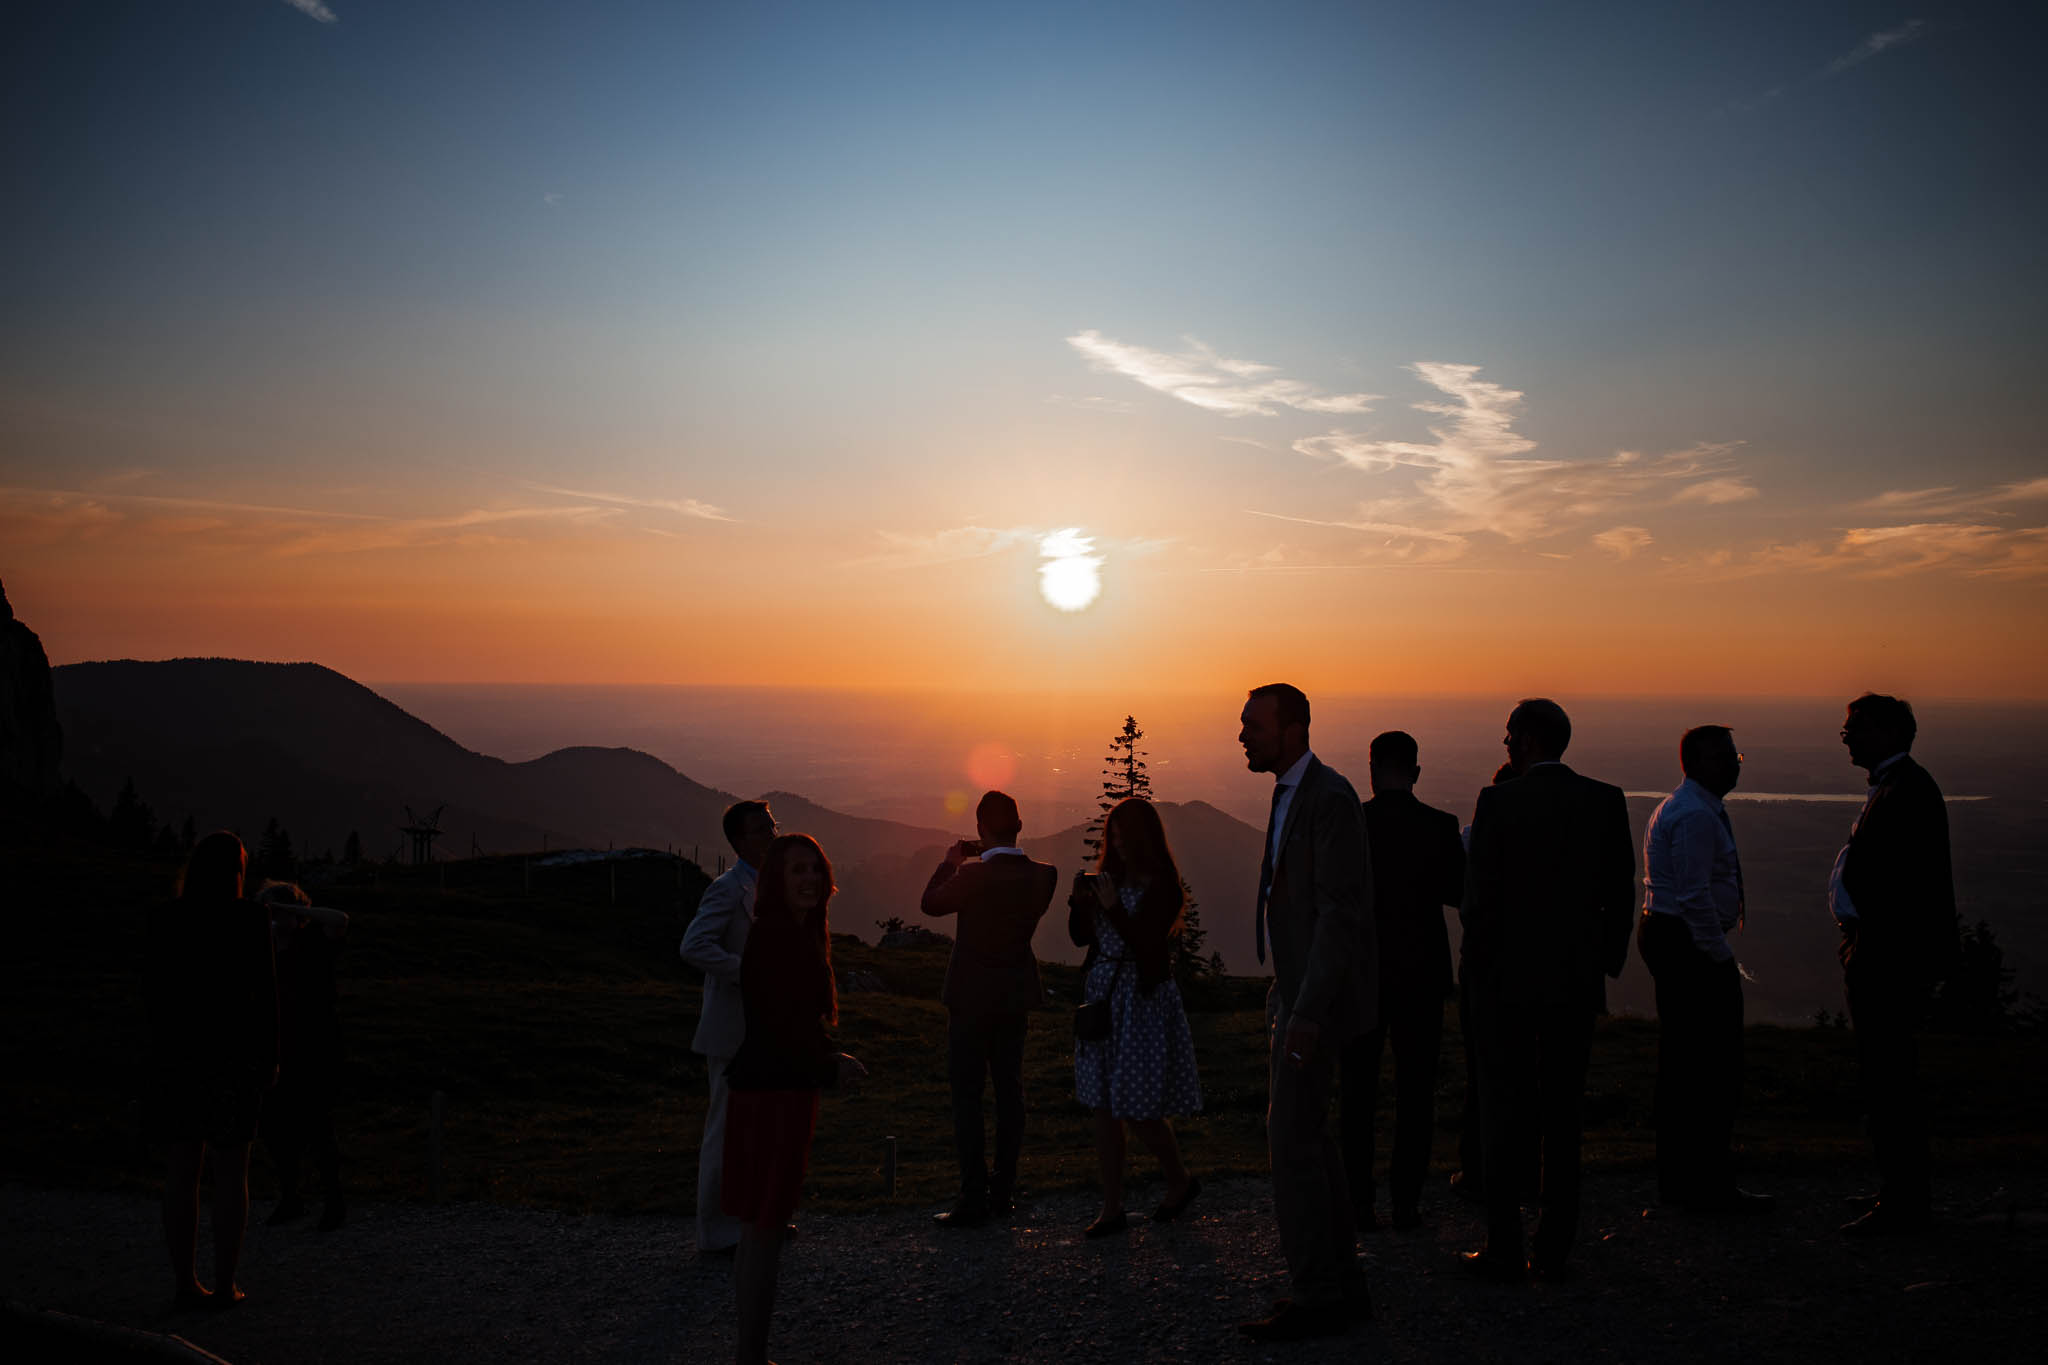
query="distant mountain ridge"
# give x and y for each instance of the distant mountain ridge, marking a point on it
(233, 743)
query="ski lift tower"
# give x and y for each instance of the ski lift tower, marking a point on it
(422, 833)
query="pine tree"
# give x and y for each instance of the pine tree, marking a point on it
(274, 857)
(133, 823)
(1125, 776)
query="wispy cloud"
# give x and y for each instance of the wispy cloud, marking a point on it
(1948, 501)
(478, 526)
(1386, 540)
(688, 507)
(1090, 403)
(1623, 541)
(1874, 44)
(552, 199)
(1477, 473)
(313, 9)
(1970, 549)
(1218, 383)
(911, 551)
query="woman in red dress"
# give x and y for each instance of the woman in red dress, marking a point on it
(787, 991)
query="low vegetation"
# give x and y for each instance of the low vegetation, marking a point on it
(548, 1005)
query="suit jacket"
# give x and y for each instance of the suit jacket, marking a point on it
(1549, 889)
(713, 944)
(1898, 875)
(1418, 868)
(998, 903)
(1319, 912)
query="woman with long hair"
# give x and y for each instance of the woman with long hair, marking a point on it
(1128, 914)
(787, 992)
(212, 996)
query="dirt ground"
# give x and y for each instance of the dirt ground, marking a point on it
(458, 1283)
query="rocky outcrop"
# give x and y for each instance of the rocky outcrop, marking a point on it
(31, 742)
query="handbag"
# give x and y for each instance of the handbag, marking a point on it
(1091, 1017)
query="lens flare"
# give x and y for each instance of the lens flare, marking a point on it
(1069, 578)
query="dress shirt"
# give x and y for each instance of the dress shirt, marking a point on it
(1283, 797)
(1839, 903)
(1006, 851)
(1691, 869)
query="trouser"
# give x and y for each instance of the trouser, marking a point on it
(298, 1121)
(1532, 1076)
(1471, 1151)
(1311, 1197)
(715, 1230)
(978, 1047)
(1415, 1027)
(1699, 1061)
(1887, 1017)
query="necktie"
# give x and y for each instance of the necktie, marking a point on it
(1266, 869)
(1741, 901)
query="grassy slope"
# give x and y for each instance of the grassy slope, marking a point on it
(558, 1025)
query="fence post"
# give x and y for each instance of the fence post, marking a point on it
(437, 1113)
(889, 1165)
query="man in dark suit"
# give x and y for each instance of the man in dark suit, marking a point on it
(1549, 902)
(1315, 899)
(1893, 893)
(1418, 867)
(998, 895)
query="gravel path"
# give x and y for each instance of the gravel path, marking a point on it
(473, 1283)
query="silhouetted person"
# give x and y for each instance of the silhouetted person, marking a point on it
(997, 895)
(1549, 902)
(212, 996)
(1469, 1180)
(298, 1114)
(1418, 867)
(1315, 900)
(1893, 893)
(1128, 915)
(713, 944)
(1692, 875)
(785, 1060)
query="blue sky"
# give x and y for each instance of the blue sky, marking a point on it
(309, 253)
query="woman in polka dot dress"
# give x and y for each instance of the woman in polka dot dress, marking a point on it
(1128, 915)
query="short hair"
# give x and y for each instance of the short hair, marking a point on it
(1544, 721)
(274, 892)
(1396, 747)
(1694, 743)
(736, 817)
(1291, 701)
(1893, 713)
(998, 811)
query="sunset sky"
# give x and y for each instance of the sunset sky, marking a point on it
(1416, 348)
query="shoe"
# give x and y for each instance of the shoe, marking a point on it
(1495, 1269)
(1407, 1218)
(1291, 1321)
(288, 1208)
(191, 1299)
(1862, 1203)
(221, 1300)
(1886, 1220)
(1174, 1208)
(333, 1214)
(1109, 1225)
(724, 1253)
(963, 1216)
(1466, 1185)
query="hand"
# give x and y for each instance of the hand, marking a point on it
(1104, 892)
(961, 851)
(1300, 1043)
(851, 1072)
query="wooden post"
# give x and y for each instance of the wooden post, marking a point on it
(437, 1113)
(612, 866)
(889, 1165)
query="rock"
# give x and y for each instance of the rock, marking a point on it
(31, 741)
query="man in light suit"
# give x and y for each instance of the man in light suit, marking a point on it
(1549, 903)
(997, 896)
(1315, 902)
(712, 944)
(1893, 894)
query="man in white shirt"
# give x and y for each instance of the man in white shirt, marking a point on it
(1693, 881)
(712, 944)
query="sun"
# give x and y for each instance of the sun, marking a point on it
(1069, 577)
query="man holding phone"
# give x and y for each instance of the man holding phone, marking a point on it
(999, 895)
